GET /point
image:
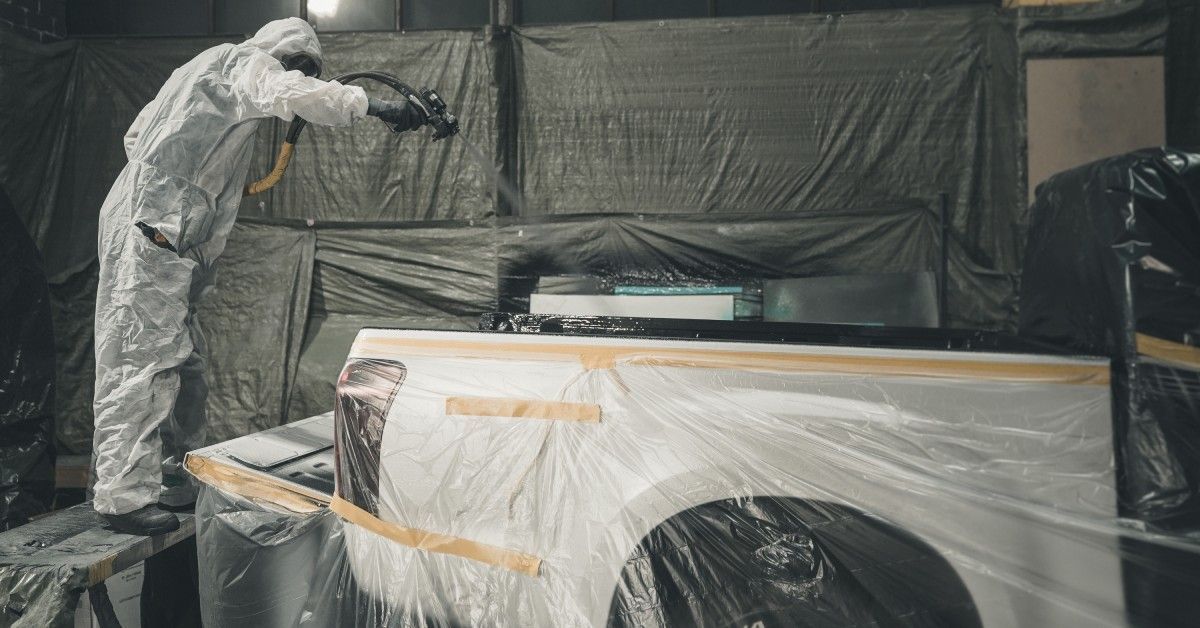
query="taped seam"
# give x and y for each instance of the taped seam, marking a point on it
(438, 543)
(1167, 351)
(523, 409)
(261, 489)
(595, 357)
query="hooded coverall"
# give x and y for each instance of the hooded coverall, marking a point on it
(189, 152)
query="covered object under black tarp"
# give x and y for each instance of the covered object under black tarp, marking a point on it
(1113, 267)
(26, 376)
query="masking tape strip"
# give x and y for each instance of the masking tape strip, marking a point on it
(101, 571)
(1167, 351)
(601, 357)
(523, 409)
(438, 543)
(258, 488)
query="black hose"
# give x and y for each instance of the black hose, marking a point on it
(404, 89)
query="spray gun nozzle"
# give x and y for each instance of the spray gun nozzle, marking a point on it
(443, 122)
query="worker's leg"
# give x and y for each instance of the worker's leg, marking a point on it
(185, 430)
(142, 338)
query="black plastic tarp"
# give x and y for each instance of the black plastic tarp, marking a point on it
(26, 376)
(254, 321)
(67, 106)
(783, 118)
(807, 112)
(366, 173)
(686, 116)
(1113, 262)
(433, 275)
(260, 303)
(35, 101)
(1140, 211)
(1114, 252)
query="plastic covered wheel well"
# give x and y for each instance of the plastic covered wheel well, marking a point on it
(776, 561)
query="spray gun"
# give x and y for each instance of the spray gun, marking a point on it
(444, 123)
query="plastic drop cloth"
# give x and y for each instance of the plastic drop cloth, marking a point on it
(515, 479)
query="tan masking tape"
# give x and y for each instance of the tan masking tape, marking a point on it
(597, 357)
(438, 543)
(1167, 351)
(101, 571)
(255, 487)
(523, 409)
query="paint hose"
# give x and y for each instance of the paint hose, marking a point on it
(427, 100)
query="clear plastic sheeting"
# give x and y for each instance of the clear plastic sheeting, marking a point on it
(772, 445)
(522, 479)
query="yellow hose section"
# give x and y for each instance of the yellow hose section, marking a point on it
(269, 181)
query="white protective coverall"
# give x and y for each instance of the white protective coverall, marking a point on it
(189, 152)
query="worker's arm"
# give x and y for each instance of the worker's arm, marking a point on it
(263, 86)
(135, 130)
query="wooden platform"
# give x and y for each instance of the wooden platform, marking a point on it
(45, 565)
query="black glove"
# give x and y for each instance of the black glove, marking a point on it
(400, 115)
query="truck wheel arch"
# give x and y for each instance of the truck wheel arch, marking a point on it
(772, 561)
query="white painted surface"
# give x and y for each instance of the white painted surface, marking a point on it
(717, 307)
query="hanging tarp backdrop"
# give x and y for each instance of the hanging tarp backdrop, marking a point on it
(636, 147)
(26, 377)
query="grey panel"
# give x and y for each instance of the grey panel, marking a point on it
(427, 14)
(240, 16)
(896, 299)
(92, 17)
(165, 17)
(1082, 110)
(716, 249)
(556, 12)
(276, 446)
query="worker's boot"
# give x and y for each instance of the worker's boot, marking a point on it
(145, 521)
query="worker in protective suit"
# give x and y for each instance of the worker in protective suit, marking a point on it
(162, 226)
